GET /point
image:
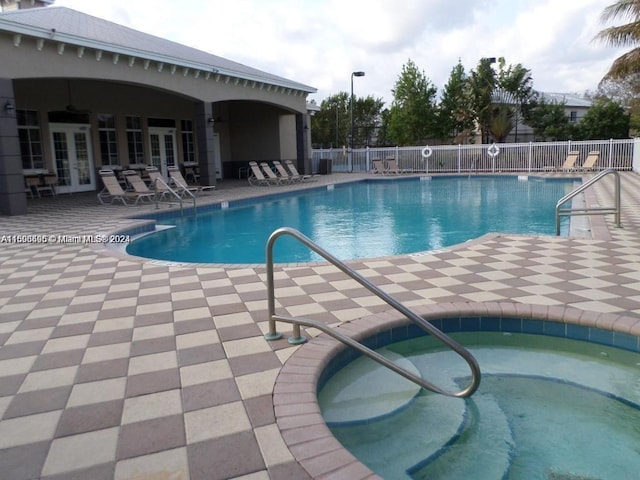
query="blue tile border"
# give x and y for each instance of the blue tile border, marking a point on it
(623, 341)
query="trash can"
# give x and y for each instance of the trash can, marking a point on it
(325, 166)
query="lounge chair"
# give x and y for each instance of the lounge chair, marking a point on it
(590, 163)
(113, 191)
(569, 164)
(392, 167)
(181, 184)
(294, 173)
(271, 175)
(159, 184)
(283, 173)
(138, 185)
(256, 177)
(378, 167)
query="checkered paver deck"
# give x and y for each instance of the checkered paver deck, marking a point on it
(124, 368)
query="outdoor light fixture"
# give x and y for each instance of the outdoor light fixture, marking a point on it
(353, 74)
(9, 108)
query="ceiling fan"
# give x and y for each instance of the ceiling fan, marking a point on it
(71, 108)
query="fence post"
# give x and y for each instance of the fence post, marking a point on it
(610, 151)
(460, 158)
(530, 155)
(368, 159)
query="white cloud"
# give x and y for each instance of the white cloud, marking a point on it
(320, 42)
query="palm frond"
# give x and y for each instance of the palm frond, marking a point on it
(625, 9)
(625, 65)
(622, 36)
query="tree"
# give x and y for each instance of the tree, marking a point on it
(456, 120)
(623, 36)
(482, 83)
(549, 121)
(605, 119)
(625, 91)
(367, 112)
(517, 83)
(413, 115)
(330, 126)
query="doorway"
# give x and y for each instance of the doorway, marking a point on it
(162, 145)
(73, 159)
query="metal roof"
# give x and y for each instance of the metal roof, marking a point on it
(568, 99)
(69, 26)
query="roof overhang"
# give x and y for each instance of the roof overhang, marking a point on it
(132, 54)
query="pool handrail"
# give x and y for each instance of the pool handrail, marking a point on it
(297, 338)
(171, 191)
(615, 210)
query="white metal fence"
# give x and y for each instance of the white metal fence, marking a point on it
(507, 157)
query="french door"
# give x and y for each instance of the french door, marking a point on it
(162, 145)
(71, 147)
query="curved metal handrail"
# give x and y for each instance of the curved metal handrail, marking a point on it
(171, 191)
(565, 212)
(415, 318)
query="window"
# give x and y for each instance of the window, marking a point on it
(134, 140)
(573, 116)
(108, 139)
(30, 139)
(188, 149)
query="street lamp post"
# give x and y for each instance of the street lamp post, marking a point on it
(353, 74)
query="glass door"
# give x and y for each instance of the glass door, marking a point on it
(71, 146)
(162, 145)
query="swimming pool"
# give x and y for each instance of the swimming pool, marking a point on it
(547, 407)
(362, 220)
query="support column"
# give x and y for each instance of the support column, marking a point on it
(205, 144)
(303, 133)
(13, 200)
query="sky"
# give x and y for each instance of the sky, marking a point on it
(321, 42)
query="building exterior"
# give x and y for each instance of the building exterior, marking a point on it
(78, 93)
(575, 108)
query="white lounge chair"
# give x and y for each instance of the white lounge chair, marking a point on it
(113, 191)
(271, 175)
(256, 176)
(181, 184)
(294, 173)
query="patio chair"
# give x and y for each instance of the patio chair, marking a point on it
(256, 177)
(294, 173)
(283, 173)
(158, 183)
(180, 184)
(378, 167)
(569, 164)
(271, 175)
(590, 162)
(135, 181)
(112, 190)
(392, 167)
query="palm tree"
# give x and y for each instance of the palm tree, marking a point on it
(623, 36)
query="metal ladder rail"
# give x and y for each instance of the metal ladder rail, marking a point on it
(566, 212)
(172, 192)
(297, 322)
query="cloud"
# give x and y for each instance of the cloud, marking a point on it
(320, 42)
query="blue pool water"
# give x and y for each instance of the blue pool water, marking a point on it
(362, 220)
(547, 408)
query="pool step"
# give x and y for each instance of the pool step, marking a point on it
(366, 391)
(394, 444)
(469, 456)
